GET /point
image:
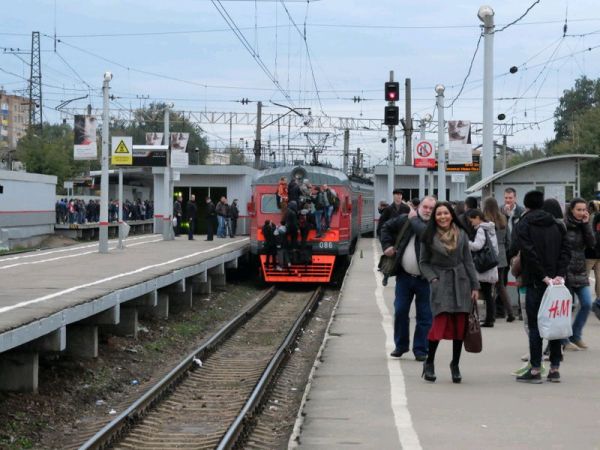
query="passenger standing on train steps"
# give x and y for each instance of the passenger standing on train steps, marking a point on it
(291, 224)
(397, 208)
(294, 190)
(409, 279)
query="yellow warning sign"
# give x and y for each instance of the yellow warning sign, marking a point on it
(122, 154)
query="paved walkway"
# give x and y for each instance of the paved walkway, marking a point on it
(363, 399)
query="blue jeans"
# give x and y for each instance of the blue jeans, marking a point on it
(221, 227)
(533, 300)
(408, 286)
(584, 296)
(318, 218)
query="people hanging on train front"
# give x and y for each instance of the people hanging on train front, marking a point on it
(282, 193)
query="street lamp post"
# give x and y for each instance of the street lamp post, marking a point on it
(486, 15)
(103, 232)
(439, 90)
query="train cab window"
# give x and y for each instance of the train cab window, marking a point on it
(268, 204)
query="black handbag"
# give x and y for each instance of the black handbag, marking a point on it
(387, 264)
(485, 258)
(472, 341)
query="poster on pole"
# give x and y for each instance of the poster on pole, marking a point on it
(424, 156)
(85, 138)
(122, 150)
(154, 138)
(179, 141)
(459, 150)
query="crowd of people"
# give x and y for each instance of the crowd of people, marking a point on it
(77, 211)
(445, 255)
(303, 207)
(223, 217)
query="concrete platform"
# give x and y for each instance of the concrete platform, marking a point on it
(361, 398)
(44, 291)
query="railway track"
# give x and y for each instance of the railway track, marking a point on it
(212, 405)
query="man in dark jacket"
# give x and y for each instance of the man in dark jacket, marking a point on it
(234, 213)
(191, 211)
(409, 281)
(291, 224)
(394, 210)
(544, 260)
(210, 219)
(178, 214)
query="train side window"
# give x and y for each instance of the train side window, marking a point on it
(268, 204)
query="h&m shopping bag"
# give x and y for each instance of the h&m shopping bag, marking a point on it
(554, 316)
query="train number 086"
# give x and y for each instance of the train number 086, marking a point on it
(326, 245)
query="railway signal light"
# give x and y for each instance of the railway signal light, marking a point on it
(391, 115)
(392, 91)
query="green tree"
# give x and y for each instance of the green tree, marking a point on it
(51, 153)
(573, 103)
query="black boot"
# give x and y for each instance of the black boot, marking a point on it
(456, 376)
(429, 372)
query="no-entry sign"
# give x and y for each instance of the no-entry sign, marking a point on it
(424, 156)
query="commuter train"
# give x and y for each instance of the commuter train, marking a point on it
(353, 216)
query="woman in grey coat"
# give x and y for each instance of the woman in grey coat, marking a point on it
(447, 264)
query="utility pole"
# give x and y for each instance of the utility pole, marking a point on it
(103, 232)
(35, 83)
(167, 230)
(257, 142)
(486, 15)
(408, 129)
(346, 151)
(504, 152)
(439, 90)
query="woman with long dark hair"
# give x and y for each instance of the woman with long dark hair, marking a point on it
(579, 237)
(492, 213)
(447, 264)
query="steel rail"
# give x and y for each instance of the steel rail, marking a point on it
(107, 435)
(236, 430)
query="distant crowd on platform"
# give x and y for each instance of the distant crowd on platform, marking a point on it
(303, 207)
(444, 255)
(77, 211)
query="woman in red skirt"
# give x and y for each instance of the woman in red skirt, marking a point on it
(446, 263)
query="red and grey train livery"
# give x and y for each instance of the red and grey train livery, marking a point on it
(353, 216)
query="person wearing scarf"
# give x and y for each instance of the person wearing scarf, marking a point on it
(447, 264)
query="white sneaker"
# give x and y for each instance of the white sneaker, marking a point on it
(525, 357)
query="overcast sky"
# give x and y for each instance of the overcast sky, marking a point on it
(352, 45)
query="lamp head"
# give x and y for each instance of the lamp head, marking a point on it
(439, 89)
(486, 15)
(427, 118)
(107, 76)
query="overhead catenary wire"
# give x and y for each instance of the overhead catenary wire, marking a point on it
(518, 19)
(231, 23)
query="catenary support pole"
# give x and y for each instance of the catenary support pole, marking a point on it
(346, 150)
(103, 232)
(168, 233)
(257, 142)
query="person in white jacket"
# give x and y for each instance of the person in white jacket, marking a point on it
(489, 278)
